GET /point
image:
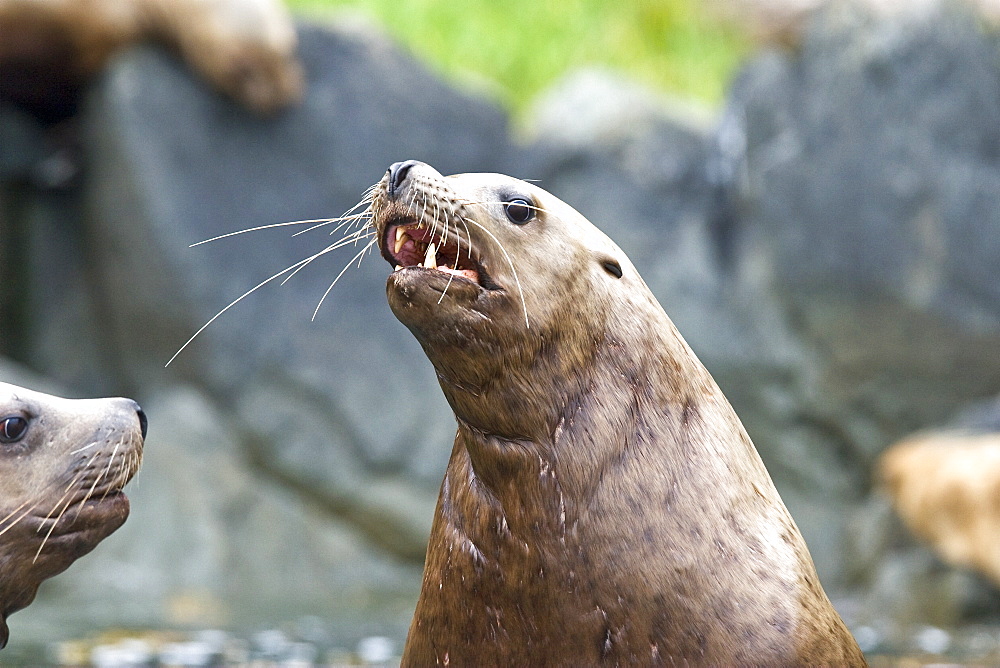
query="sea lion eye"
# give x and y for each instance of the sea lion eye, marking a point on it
(519, 210)
(12, 429)
(613, 268)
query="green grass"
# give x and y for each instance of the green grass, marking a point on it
(523, 46)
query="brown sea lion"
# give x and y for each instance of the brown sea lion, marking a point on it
(946, 488)
(49, 49)
(603, 504)
(63, 464)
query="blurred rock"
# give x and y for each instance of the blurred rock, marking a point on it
(785, 21)
(864, 173)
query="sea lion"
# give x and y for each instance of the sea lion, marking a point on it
(603, 504)
(945, 485)
(49, 49)
(63, 464)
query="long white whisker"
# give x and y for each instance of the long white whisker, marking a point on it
(67, 504)
(86, 447)
(232, 304)
(357, 257)
(346, 220)
(322, 221)
(315, 222)
(510, 262)
(353, 238)
(26, 512)
(451, 277)
(53, 527)
(12, 513)
(26, 507)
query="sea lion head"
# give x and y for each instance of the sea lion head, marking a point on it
(63, 464)
(509, 290)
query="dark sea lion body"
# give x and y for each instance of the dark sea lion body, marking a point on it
(63, 463)
(603, 504)
(51, 49)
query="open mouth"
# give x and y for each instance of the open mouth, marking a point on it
(407, 245)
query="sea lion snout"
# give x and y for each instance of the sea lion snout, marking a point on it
(398, 172)
(143, 421)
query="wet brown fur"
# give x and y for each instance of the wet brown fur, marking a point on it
(603, 504)
(58, 486)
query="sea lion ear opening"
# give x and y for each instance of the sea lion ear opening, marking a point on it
(612, 266)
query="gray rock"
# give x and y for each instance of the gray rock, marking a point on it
(871, 158)
(863, 176)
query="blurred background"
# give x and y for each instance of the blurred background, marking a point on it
(810, 187)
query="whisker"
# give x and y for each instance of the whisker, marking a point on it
(26, 507)
(26, 512)
(12, 513)
(361, 220)
(322, 221)
(357, 257)
(451, 277)
(315, 222)
(51, 529)
(517, 281)
(86, 447)
(353, 238)
(98, 479)
(345, 220)
(342, 222)
(66, 494)
(232, 304)
(67, 497)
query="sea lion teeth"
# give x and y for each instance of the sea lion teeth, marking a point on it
(398, 267)
(430, 259)
(401, 238)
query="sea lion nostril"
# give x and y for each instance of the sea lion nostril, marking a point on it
(397, 174)
(143, 422)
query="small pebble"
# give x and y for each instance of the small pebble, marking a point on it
(375, 649)
(932, 640)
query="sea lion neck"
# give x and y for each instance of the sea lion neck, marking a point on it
(533, 385)
(597, 406)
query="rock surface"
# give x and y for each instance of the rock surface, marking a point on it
(828, 247)
(864, 201)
